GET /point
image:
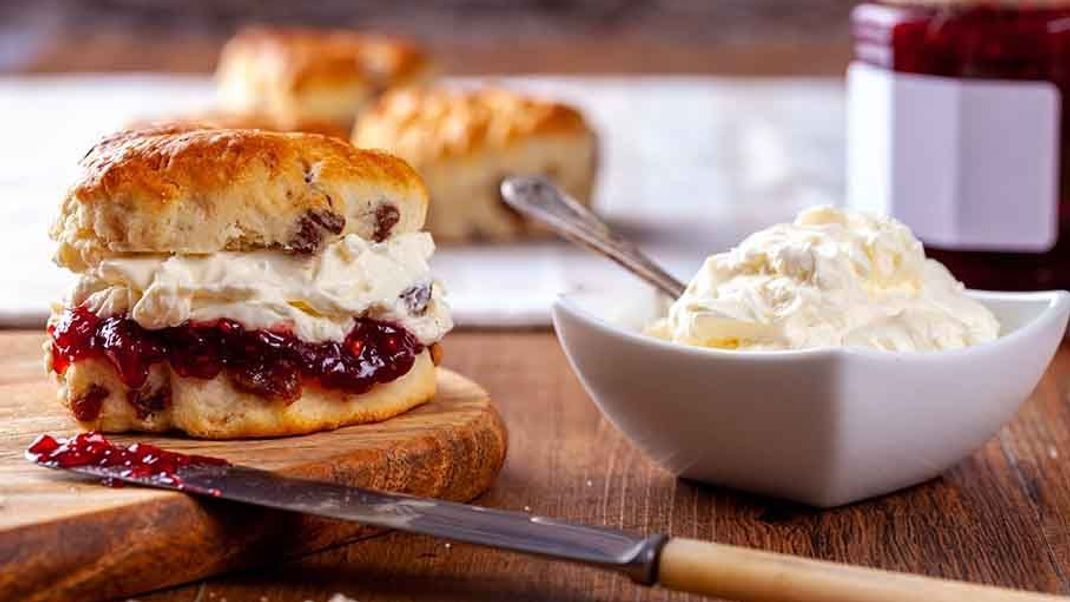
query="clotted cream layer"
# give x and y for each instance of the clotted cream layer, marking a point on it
(830, 279)
(317, 295)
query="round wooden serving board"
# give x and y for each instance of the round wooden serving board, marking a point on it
(62, 537)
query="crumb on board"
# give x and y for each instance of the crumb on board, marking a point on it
(337, 597)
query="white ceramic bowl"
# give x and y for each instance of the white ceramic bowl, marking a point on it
(824, 427)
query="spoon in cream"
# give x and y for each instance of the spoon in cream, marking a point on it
(537, 198)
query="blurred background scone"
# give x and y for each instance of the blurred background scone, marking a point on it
(309, 80)
(463, 142)
(241, 283)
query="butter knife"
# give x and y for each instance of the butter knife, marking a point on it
(680, 564)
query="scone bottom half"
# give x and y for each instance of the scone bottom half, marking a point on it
(223, 379)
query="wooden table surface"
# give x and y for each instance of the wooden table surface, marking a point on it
(1000, 517)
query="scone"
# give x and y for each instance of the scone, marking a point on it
(242, 283)
(229, 120)
(302, 77)
(464, 142)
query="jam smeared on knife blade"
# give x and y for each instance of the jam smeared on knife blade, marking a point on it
(137, 460)
(275, 365)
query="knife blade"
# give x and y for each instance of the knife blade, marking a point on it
(516, 531)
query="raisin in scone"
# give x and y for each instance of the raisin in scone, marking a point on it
(241, 283)
(464, 142)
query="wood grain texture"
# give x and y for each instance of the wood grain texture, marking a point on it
(66, 538)
(1000, 517)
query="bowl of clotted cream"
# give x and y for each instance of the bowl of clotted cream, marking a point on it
(823, 361)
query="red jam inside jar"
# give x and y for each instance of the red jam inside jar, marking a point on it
(968, 40)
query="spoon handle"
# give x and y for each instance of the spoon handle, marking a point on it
(540, 200)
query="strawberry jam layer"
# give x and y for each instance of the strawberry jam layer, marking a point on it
(138, 460)
(271, 364)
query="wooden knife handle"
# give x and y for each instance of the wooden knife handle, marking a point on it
(751, 575)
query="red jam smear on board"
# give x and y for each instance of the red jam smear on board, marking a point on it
(138, 460)
(272, 364)
(1024, 42)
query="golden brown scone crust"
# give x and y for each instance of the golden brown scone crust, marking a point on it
(431, 123)
(463, 142)
(228, 120)
(302, 74)
(215, 409)
(191, 189)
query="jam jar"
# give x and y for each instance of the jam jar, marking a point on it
(958, 126)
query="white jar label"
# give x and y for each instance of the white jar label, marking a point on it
(966, 164)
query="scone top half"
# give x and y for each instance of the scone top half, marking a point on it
(191, 189)
(243, 283)
(464, 141)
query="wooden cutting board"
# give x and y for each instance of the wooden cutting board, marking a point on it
(64, 538)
